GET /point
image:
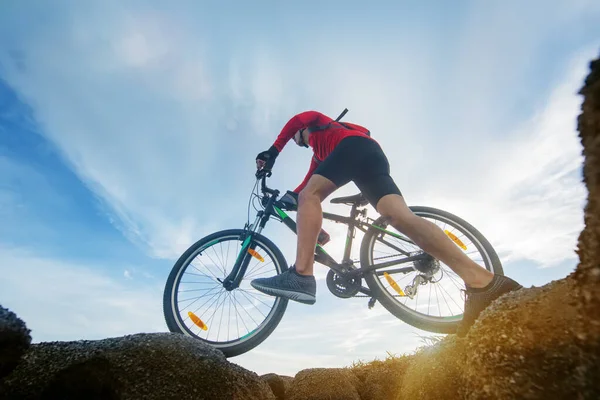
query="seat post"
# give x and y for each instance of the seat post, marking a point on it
(350, 234)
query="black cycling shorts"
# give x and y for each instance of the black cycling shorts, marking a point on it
(362, 161)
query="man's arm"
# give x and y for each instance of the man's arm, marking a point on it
(313, 165)
(298, 121)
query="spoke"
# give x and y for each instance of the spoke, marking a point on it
(259, 310)
(221, 320)
(192, 290)
(458, 286)
(444, 297)
(192, 298)
(451, 298)
(221, 258)
(257, 293)
(243, 308)
(214, 263)
(209, 321)
(438, 300)
(208, 269)
(227, 256)
(189, 305)
(417, 299)
(254, 273)
(251, 294)
(452, 272)
(429, 301)
(249, 271)
(393, 247)
(208, 300)
(211, 279)
(238, 313)
(201, 273)
(229, 315)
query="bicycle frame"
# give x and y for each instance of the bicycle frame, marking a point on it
(274, 209)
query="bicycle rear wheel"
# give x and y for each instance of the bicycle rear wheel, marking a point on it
(438, 304)
(196, 304)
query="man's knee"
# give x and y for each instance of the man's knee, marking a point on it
(393, 208)
(307, 195)
(319, 187)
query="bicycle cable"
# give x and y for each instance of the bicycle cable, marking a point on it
(251, 200)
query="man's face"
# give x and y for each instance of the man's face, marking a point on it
(299, 137)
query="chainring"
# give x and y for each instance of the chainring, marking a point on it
(342, 287)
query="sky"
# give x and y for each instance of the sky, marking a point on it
(128, 130)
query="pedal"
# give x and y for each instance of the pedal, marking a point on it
(372, 301)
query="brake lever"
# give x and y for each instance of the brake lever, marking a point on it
(263, 173)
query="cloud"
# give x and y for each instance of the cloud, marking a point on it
(140, 138)
(62, 300)
(332, 333)
(42, 292)
(147, 117)
(522, 189)
(161, 116)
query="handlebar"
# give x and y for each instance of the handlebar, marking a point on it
(265, 188)
(273, 194)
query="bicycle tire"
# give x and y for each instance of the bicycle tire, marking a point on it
(428, 324)
(250, 341)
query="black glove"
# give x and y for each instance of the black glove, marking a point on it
(290, 199)
(266, 159)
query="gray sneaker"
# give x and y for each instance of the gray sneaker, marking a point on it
(290, 285)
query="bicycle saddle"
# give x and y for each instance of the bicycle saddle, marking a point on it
(357, 199)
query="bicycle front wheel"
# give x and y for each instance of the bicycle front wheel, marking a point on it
(196, 303)
(426, 294)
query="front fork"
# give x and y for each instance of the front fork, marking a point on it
(233, 280)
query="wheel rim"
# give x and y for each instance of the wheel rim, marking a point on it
(199, 291)
(447, 292)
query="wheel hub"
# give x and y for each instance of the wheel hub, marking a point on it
(427, 265)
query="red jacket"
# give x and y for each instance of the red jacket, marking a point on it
(322, 141)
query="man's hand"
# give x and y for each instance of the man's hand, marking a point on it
(266, 159)
(290, 199)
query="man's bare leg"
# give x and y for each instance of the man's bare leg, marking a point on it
(310, 218)
(432, 240)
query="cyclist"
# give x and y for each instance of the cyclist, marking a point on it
(344, 152)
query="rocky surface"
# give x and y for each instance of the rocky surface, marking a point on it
(15, 339)
(279, 384)
(381, 379)
(536, 343)
(587, 275)
(142, 366)
(324, 384)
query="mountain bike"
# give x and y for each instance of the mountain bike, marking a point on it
(210, 283)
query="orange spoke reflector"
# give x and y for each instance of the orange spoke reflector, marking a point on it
(393, 284)
(455, 240)
(197, 321)
(256, 255)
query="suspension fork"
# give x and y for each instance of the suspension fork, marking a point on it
(233, 280)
